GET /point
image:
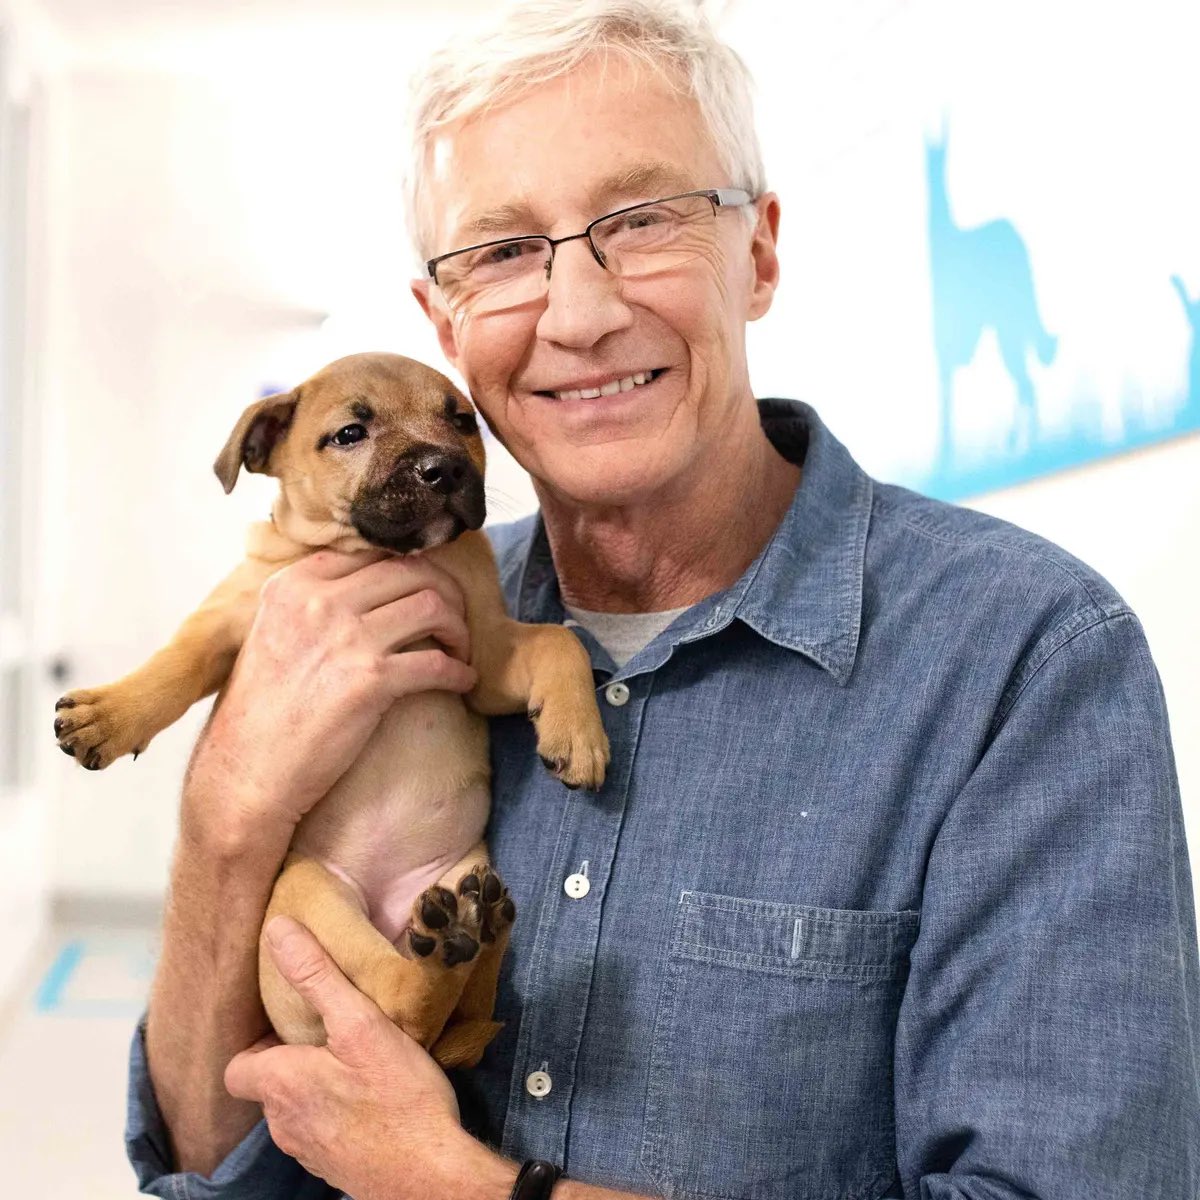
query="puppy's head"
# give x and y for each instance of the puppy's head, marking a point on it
(375, 445)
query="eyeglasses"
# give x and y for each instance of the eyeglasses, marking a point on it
(644, 239)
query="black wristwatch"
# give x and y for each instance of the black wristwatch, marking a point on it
(536, 1181)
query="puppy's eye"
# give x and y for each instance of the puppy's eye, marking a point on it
(464, 422)
(348, 435)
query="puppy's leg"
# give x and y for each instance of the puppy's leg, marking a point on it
(471, 1026)
(98, 725)
(544, 670)
(539, 669)
(417, 993)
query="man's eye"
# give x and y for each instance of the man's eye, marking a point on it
(644, 218)
(507, 254)
(499, 254)
(464, 422)
(348, 435)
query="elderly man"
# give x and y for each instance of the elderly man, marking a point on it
(886, 894)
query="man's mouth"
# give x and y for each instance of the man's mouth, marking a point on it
(610, 388)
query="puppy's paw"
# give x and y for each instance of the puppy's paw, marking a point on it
(573, 745)
(445, 928)
(98, 725)
(462, 1043)
(484, 885)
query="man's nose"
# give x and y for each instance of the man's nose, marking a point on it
(583, 300)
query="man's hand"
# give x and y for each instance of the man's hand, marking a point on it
(371, 1112)
(318, 670)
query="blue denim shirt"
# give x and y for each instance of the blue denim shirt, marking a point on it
(887, 892)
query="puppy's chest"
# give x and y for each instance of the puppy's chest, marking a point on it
(417, 792)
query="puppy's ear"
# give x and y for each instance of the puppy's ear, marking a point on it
(254, 437)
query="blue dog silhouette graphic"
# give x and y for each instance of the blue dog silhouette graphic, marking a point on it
(981, 279)
(1191, 309)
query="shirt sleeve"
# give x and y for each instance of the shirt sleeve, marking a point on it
(255, 1169)
(1047, 1044)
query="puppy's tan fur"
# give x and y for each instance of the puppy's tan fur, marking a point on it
(389, 870)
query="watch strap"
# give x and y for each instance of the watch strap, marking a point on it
(535, 1181)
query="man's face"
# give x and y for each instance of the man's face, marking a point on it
(547, 163)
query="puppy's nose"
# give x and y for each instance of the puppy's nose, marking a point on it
(442, 472)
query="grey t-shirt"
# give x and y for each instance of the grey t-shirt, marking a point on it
(623, 634)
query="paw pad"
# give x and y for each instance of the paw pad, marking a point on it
(441, 924)
(498, 910)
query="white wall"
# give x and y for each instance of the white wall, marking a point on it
(207, 219)
(30, 59)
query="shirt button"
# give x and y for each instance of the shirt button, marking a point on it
(537, 1083)
(576, 886)
(616, 694)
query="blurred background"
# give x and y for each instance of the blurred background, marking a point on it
(991, 293)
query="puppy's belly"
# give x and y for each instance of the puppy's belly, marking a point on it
(415, 802)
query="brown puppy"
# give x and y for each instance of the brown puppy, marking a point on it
(389, 870)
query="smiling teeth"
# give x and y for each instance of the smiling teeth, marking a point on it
(609, 389)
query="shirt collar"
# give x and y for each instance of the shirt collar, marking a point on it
(804, 590)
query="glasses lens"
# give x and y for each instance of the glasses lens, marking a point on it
(656, 237)
(497, 276)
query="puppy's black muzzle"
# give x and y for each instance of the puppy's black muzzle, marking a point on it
(429, 498)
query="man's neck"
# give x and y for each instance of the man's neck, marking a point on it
(673, 549)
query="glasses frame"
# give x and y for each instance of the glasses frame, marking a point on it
(718, 197)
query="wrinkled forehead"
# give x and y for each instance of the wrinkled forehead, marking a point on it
(563, 152)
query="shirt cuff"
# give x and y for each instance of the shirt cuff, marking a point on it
(255, 1169)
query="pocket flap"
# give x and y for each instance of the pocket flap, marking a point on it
(764, 935)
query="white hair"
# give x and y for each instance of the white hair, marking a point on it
(538, 40)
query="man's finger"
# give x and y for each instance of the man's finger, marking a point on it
(245, 1074)
(267, 1042)
(379, 583)
(305, 965)
(335, 564)
(249, 1074)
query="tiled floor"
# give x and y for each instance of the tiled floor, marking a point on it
(63, 1054)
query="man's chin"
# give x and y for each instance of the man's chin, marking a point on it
(611, 480)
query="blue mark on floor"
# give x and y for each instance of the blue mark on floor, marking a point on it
(50, 991)
(126, 966)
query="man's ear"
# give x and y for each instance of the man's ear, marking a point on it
(255, 436)
(765, 257)
(438, 314)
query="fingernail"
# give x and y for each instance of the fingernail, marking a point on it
(277, 928)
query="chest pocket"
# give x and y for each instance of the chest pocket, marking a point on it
(771, 1063)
